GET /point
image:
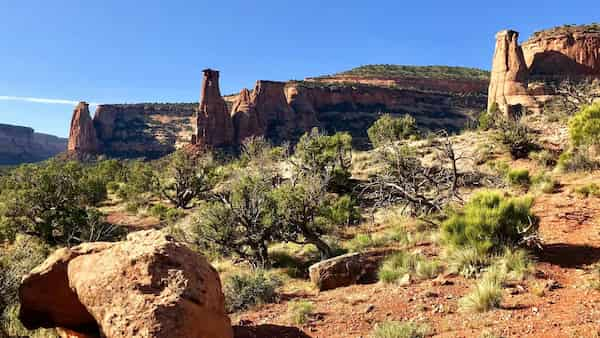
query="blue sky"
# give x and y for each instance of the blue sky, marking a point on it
(153, 51)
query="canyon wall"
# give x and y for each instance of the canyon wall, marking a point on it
(132, 130)
(526, 75)
(23, 145)
(284, 110)
(280, 111)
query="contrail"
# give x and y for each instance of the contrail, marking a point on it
(42, 100)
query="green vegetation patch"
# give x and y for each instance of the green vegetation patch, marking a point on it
(432, 72)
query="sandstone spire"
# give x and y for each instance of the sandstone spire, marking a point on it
(82, 135)
(508, 82)
(214, 126)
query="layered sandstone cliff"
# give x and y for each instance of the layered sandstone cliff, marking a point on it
(280, 111)
(526, 76)
(23, 145)
(132, 130)
(564, 51)
(284, 110)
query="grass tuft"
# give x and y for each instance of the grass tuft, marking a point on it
(400, 330)
(486, 295)
(300, 311)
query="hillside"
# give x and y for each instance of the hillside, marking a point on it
(429, 72)
(444, 79)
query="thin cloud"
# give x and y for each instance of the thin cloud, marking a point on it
(41, 100)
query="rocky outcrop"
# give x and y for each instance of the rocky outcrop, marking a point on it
(213, 122)
(82, 135)
(564, 51)
(526, 76)
(146, 286)
(349, 269)
(508, 82)
(23, 145)
(246, 120)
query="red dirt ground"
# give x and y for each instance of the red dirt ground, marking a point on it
(569, 228)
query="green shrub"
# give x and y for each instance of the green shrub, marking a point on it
(486, 295)
(576, 160)
(490, 221)
(403, 263)
(159, 211)
(486, 120)
(173, 215)
(246, 290)
(588, 190)
(300, 311)
(518, 177)
(517, 138)
(343, 211)
(113, 186)
(543, 158)
(400, 330)
(166, 214)
(499, 167)
(584, 127)
(362, 242)
(390, 129)
(544, 183)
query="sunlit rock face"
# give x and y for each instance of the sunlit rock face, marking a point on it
(527, 75)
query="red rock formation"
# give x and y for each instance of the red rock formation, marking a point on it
(82, 135)
(302, 104)
(146, 286)
(508, 82)
(246, 120)
(564, 51)
(520, 73)
(145, 129)
(214, 126)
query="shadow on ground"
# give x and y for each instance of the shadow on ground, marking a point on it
(569, 255)
(262, 331)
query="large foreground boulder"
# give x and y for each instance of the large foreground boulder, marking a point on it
(146, 286)
(349, 269)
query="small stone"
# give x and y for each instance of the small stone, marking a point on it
(370, 308)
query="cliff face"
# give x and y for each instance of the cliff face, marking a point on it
(280, 111)
(23, 145)
(564, 51)
(285, 110)
(144, 130)
(519, 71)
